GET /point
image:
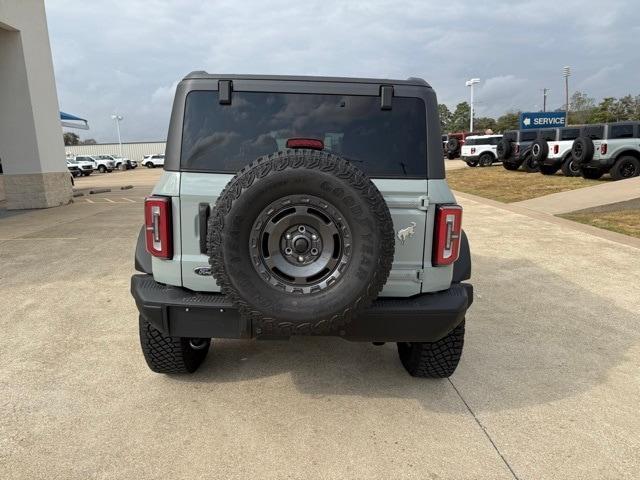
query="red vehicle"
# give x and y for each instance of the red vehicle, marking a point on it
(453, 142)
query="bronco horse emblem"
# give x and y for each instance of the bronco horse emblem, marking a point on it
(405, 233)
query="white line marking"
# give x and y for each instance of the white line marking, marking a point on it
(89, 201)
(128, 200)
(109, 200)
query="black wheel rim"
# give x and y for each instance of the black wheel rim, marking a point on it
(628, 170)
(574, 167)
(300, 244)
(577, 150)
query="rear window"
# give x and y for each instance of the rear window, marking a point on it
(595, 132)
(569, 133)
(548, 135)
(621, 131)
(528, 136)
(225, 138)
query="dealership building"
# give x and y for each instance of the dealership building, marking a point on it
(31, 147)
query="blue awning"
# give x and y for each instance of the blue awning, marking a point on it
(67, 118)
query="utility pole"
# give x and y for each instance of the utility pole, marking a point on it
(566, 73)
(471, 83)
(544, 99)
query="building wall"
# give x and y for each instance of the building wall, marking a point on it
(133, 151)
(31, 147)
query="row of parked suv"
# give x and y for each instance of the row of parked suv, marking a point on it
(589, 151)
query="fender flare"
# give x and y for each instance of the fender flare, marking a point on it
(142, 257)
(462, 266)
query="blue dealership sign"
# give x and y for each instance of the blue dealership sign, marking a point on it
(531, 120)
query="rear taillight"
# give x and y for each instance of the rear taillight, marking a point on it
(448, 228)
(603, 148)
(517, 148)
(157, 221)
(556, 149)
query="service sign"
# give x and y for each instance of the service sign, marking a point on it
(531, 120)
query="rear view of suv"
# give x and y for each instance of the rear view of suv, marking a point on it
(515, 148)
(612, 148)
(556, 154)
(303, 206)
(480, 150)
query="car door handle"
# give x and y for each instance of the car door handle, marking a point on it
(203, 217)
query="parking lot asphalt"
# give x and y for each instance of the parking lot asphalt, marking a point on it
(548, 386)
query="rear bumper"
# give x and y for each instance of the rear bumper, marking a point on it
(182, 313)
(599, 163)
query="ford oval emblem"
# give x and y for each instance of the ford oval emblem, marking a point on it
(203, 271)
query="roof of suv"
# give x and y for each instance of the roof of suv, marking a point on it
(200, 74)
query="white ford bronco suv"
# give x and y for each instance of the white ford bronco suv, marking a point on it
(612, 148)
(480, 150)
(303, 206)
(554, 155)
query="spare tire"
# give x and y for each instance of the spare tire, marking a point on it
(503, 149)
(453, 144)
(582, 150)
(300, 241)
(540, 150)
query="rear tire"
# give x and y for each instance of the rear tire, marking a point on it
(437, 359)
(570, 168)
(549, 169)
(625, 167)
(486, 159)
(591, 173)
(530, 165)
(102, 169)
(165, 354)
(509, 165)
(472, 163)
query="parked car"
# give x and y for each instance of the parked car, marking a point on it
(455, 141)
(118, 161)
(556, 154)
(105, 163)
(612, 148)
(480, 150)
(515, 148)
(153, 161)
(324, 235)
(86, 164)
(74, 168)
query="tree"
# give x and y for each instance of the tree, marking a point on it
(70, 138)
(627, 108)
(581, 108)
(460, 118)
(484, 123)
(445, 117)
(508, 121)
(604, 112)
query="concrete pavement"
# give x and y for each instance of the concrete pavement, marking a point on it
(584, 198)
(548, 385)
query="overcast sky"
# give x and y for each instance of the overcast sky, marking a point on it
(127, 56)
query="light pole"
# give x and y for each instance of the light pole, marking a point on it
(471, 83)
(566, 73)
(544, 99)
(118, 119)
